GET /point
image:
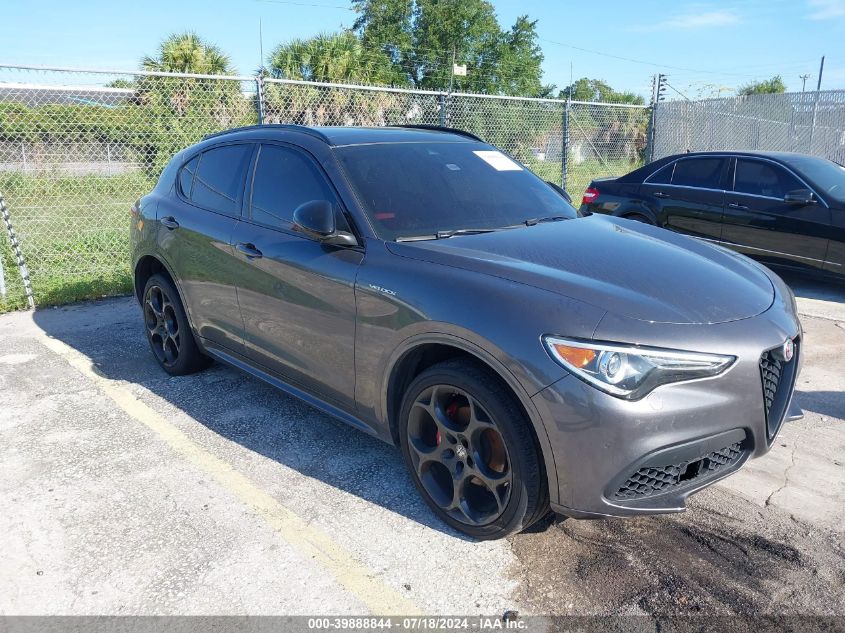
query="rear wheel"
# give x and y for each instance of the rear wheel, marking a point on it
(638, 217)
(471, 451)
(168, 331)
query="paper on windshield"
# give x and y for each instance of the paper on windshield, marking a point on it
(497, 160)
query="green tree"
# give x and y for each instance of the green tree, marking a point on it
(422, 37)
(586, 89)
(179, 111)
(774, 85)
(520, 60)
(188, 53)
(339, 57)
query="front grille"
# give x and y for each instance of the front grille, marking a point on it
(778, 378)
(654, 480)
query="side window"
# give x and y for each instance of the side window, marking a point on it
(698, 172)
(186, 176)
(760, 178)
(283, 180)
(220, 177)
(662, 176)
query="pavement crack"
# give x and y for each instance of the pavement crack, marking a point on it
(785, 475)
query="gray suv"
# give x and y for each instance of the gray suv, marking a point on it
(429, 290)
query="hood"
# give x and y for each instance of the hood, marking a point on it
(628, 268)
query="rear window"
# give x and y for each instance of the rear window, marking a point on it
(705, 173)
(186, 176)
(219, 179)
(662, 176)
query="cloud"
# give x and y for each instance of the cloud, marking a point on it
(696, 20)
(826, 9)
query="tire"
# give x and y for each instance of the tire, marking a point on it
(638, 217)
(471, 451)
(168, 331)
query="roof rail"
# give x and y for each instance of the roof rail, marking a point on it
(272, 126)
(441, 128)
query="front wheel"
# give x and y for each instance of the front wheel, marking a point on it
(471, 451)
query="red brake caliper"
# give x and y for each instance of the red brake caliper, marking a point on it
(451, 413)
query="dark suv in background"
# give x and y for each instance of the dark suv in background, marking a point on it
(429, 290)
(784, 209)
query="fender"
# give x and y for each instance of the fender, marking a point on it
(639, 208)
(160, 257)
(485, 356)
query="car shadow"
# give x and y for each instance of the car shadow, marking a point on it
(827, 403)
(244, 410)
(806, 286)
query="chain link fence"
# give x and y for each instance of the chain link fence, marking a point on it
(77, 148)
(806, 122)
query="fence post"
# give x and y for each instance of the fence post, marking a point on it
(813, 123)
(564, 143)
(259, 100)
(442, 114)
(652, 125)
(16, 250)
(2, 280)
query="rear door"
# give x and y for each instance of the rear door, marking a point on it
(760, 224)
(195, 239)
(689, 195)
(296, 294)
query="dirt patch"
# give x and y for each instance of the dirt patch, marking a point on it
(724, 556)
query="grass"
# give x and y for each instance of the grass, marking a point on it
(578, 176)
(74, 235)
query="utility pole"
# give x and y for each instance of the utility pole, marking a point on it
(260, 46)
(821, 72)
(452, 71)
(804, 79)
(816, 106)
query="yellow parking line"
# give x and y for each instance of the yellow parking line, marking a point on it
(310, 541)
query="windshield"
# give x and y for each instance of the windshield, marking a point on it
(422, 189)
(826, 175)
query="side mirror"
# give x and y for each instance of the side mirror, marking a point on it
(560, 190)
(316, 218)
(799, 197)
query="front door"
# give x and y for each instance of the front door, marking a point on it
(758, 223)
(296, 294)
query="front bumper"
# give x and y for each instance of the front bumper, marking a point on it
(620, 458)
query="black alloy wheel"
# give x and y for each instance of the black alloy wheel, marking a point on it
(168, 331)
(471, 451)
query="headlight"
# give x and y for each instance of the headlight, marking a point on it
(628, 371)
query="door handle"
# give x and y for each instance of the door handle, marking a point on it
(249, 250)
(169, 222)
(660, 194)
(739, 207)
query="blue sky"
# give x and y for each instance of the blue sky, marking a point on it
(703, 46)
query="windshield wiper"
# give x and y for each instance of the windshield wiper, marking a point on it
(548, 218)
(444, 235)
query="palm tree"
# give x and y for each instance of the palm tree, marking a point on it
(188, 53)
(339, 57)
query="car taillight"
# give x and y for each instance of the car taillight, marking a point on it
(590, 195)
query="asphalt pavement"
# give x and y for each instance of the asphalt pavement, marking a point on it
(126, 491)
